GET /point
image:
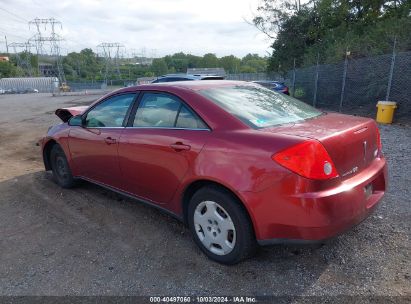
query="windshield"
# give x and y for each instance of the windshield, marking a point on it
(259, 107)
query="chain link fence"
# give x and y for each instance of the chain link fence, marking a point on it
(91, 87)
(251, 76)
(356, 85)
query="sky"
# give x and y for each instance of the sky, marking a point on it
(150, 27)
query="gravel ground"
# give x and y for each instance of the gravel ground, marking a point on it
(90, 241)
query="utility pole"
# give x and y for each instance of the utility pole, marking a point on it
(7, 46)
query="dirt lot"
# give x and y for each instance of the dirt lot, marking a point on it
(89, 241)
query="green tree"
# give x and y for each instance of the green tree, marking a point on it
(329, 27)
(159, 67)
(178, 62)
(247, 69)
(90, 64)
(210, 61)
(231, 64)
(194, 61)
(254, 61)
(7, 69)
(83, 65)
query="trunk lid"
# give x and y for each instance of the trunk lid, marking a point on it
(350, 141)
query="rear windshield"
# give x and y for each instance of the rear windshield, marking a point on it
(259, 107)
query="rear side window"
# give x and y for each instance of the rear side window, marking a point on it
(259, 107)
(160, 110)
(157, 110)
(188, 120)
(110, 113)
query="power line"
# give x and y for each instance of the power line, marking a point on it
(13, 35)
(14, 27)
(15, 20)
(13, 14)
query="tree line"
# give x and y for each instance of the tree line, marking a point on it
(88, 66)
(325, 30)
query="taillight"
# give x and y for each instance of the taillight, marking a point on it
(308, 159)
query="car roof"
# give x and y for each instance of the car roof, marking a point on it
(176, 86)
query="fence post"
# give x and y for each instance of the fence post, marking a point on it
(316, 81)
(387, 97)
(343, 80)
(294, 79)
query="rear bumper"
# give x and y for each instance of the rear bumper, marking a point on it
(315, 216)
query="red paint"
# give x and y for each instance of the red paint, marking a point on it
(93, 157)
(147, 163)
(151, 168)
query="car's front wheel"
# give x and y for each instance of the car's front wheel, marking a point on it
(60, 167)
(220, 225)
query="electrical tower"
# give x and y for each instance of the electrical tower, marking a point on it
(143, 55)
(22, 51)
(45, 37)
(153, 53)
(111, 53)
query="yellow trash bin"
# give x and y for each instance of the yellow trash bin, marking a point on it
(385, 112)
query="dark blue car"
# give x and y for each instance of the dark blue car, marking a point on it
(186, 77)
(274, 85)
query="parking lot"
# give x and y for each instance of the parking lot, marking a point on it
(90, 241)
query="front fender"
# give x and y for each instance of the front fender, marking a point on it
(56, 135)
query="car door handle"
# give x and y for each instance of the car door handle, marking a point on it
(110, 140)
(178, 146)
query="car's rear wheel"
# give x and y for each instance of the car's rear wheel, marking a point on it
(220, 225)
(60, 167)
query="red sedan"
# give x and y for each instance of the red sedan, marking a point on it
(241, 165)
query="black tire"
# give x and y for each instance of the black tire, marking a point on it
(245, 244)
(60, 167)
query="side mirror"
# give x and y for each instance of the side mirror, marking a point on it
(76, 121)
